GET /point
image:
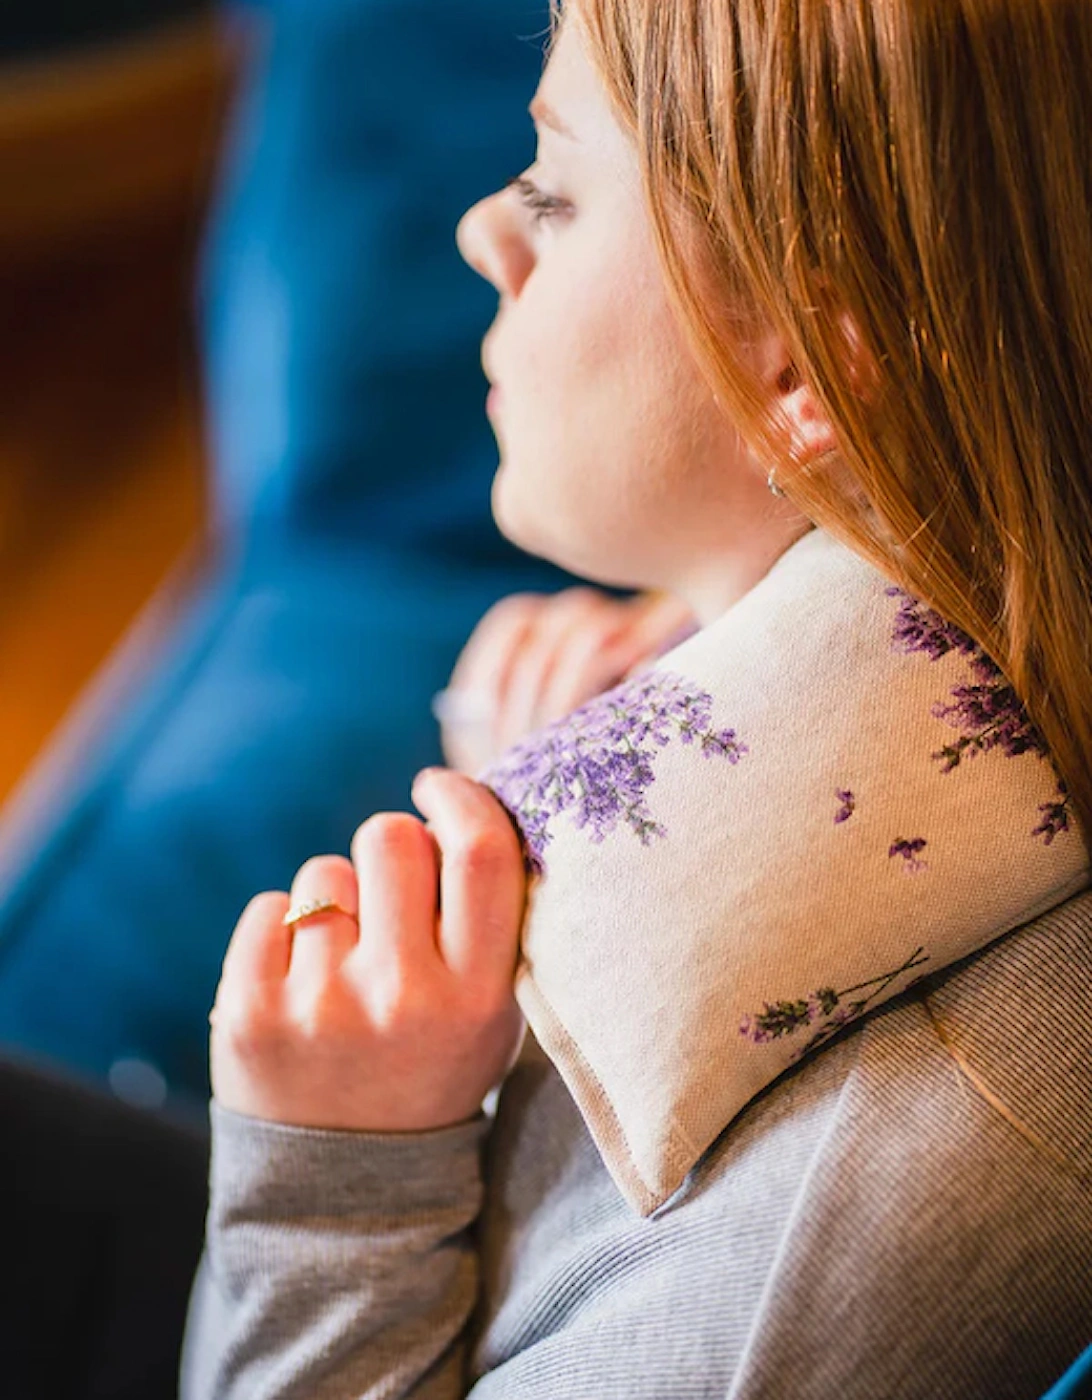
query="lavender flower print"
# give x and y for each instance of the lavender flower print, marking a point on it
(918, 628)
(848, 807)
(910, 850)
(781, 1018)
(986, 710)
(1055, 816)
(778, 1019)
(990, 716)
(599, 762)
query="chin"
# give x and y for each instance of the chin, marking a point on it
(517, 523)
(527, 525)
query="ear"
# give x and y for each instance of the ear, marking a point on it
(794, 407)
(809, 431)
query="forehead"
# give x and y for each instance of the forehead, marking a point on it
(570, 90)
(569, 85)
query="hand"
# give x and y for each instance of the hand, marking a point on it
(398, 1014)
(534, 658)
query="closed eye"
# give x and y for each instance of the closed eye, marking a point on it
(542, 205)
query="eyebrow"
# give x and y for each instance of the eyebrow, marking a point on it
(544, 113)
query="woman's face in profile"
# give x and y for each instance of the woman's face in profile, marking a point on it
(616, 460)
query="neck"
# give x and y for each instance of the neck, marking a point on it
(711, 587)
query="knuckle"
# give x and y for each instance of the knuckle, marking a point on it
(579, 597)
(515, 609)
(389, 834)
(268, 906)
(247, 1028)
(498, 630)
(579, 603)
(318, 866)
(397, 1001)
(484, 851)
(322, 1018)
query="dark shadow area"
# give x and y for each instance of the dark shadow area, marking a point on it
(33, 27)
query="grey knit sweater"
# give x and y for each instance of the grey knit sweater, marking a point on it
(906, 1217)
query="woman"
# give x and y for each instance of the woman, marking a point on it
(861, 232)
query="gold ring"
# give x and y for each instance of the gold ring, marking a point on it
(310, 908)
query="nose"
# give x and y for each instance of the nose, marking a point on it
(493, 243)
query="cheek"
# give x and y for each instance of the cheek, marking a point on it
(602, 411)
(572, 340)
(560, 359)
(589, 355)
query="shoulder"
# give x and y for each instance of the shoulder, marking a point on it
(1016, 1022)
(943, 1227)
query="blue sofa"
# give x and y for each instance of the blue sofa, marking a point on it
(1076, 1384)
(283, 692)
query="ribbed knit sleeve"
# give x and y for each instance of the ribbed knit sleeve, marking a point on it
(336, 1265)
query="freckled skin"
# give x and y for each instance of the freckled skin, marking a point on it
(616, 460)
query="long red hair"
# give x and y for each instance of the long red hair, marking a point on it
(917, 170)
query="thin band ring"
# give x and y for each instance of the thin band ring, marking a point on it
(311, 908)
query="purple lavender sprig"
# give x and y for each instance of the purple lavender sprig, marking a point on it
(910, 850)
(778, 1019)
(919, 628)
(986, 710)
(990, 716)
(599, 762)
(781, 1018)
(1055, 816)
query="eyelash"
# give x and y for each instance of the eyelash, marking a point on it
(541, 205)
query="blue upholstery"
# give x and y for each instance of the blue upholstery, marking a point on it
(1076, 1384)
(345, 330)
(353, 465)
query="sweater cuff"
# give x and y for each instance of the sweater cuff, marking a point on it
(271, 1168)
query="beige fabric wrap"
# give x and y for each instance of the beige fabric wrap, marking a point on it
(651, 970)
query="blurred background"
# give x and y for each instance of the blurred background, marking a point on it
(111, 112)
(56, 26)
(244, 531)
(244, 473)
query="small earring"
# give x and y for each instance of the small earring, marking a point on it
(771, 482)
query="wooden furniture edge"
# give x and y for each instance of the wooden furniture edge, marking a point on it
(113, 135)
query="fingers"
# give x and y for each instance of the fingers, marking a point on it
(405, 1026)
(476, 692)
(594, 658)
(532, 659)
(321, 942)
(660, 622)
(398, 872)
(564, 652)
(583, 643)
(604, 651)
(260, 947)
(487, 662)
(535, 658)
(482, 877)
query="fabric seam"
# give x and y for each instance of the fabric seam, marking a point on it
(996, 1103)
